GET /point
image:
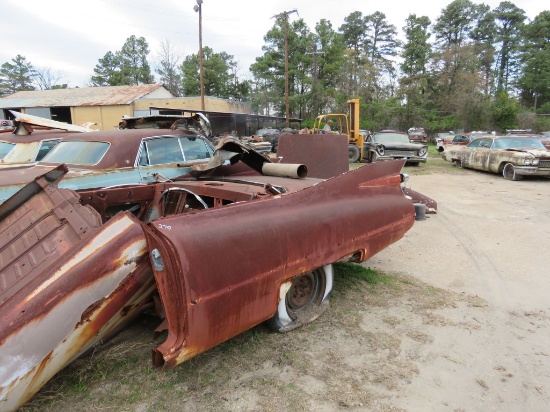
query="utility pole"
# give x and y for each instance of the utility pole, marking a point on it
(315, 53)
(284, 15)
(198, 9)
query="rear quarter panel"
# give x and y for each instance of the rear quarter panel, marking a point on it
(223, 268)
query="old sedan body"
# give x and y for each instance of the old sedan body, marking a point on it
(511, 156)
(269, 135)
(388, 145)
(417, 135)
(441, 139)
(73, 272)
(457, 139)
(117, 157)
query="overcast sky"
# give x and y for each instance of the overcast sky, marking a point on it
(70, 36)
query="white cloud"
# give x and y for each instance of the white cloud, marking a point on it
(71, 36)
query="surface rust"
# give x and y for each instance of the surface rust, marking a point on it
(66, 283)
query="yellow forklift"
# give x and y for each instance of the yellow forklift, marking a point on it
(342, 124)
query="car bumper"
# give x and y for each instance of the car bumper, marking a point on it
(531, 171)
(411, 159)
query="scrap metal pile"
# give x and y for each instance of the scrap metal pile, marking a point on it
(77, 266)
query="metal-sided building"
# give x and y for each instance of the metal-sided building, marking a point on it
(106, 106)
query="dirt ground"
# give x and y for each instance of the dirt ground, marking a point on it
(488, 240)
(461, 323)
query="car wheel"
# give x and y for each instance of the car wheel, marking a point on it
(353, 154)
(303, 299)
(509, 174)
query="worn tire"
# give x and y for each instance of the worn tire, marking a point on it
(458, 163)
(305, 298)
(509, 174)
(353, 154)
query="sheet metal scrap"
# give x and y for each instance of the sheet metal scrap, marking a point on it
(58, 295)
(24, 124)
(416, 197)
(197, 122)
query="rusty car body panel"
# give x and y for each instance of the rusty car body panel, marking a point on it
(511, 156)
(76, 267)
(215, 296)
(57, 296)
(24, 124)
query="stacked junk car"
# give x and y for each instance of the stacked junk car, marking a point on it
(80, 264)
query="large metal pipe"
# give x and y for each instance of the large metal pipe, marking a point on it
(295, 171)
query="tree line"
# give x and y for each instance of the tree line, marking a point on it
(473, 68)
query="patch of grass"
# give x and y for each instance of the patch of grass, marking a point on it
(347, 275)
(434, 164)
(432, 150)
(207, 378)
(356, 165)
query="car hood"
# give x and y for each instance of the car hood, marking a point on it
(533, 152)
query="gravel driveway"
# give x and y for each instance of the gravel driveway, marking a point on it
(489, 239)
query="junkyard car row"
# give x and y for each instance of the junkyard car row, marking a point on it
(110, 224)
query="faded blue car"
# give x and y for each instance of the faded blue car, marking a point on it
(112, 158)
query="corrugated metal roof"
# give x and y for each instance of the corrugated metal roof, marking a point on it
(83, 96)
